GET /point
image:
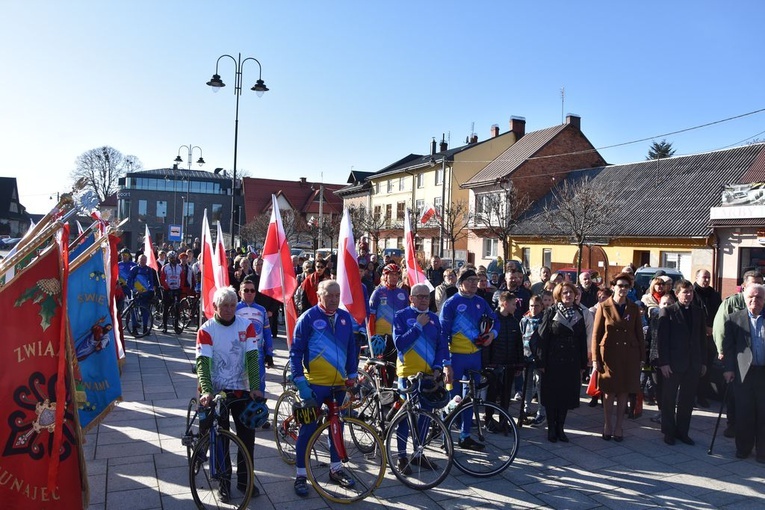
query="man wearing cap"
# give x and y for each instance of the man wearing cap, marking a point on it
(385, 301)
(141, 281)
(124, 266)
(173, 279)
(461, 319)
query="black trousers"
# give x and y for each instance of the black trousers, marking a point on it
(750, 412)
(678, 394)
(235, 409)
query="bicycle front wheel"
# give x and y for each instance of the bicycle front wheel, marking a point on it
(231, 468)
(134, 318)
(285, 427)
(191, 435)
(364, 471)
(483, 446)
(419, 449)
(185, 313)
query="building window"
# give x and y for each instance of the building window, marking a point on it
(400, 207)
(480, 204)
(388, 212)
(419, 205)
(439, 176)
(390, 185)
(439, 204)
(124, 208)
(400, 243)
(677, 260)
(378, 213)
(377, 188)
(143, 205)
(161, 210)
(401, 184)
(526, 257)
(490, 248)
(189, 212)
(421, 180)
(547, 257)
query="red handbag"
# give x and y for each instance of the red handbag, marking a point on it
(592, 387)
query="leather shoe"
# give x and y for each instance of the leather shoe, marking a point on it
(687, 440)
(606, 437)
(669, 439)
(552, 437)
(562, 436)
(618, 439)
(741, 455)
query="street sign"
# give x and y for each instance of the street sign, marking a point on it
(174, 233)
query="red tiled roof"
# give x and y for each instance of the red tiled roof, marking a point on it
(302, 196)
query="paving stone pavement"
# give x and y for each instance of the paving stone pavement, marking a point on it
(135, 459)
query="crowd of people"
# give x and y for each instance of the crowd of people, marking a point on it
(544, 342)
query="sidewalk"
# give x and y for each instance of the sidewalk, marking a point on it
(136, 461)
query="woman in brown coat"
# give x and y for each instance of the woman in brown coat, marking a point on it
(617, 350)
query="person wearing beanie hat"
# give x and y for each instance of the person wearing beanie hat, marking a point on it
(385, 301)
(464, 320)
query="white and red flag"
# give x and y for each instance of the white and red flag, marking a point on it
(207, 269)
(413, 272)
(427, 213)
(351, 291)
(148, 250)
(221, 261)
(278, 278)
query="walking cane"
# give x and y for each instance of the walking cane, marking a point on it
(719, 415)
(522, 415)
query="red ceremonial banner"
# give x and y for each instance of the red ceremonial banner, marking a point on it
(31, 351)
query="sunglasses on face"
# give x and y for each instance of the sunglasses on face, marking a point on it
(249, 291)
(623, 285)
(320, 267)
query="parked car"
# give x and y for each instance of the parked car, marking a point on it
(396, 254)
(644, 275)
(9, 242)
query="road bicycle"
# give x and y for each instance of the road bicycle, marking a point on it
(188, 312)
(486, 453)
(210, 449)
(375, 405)
(136, 317)
(333, 439)
(285, 426)
(418, 445)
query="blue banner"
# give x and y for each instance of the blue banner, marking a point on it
(97, 377)
(85, 243)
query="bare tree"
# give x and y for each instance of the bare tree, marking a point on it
(454, 221)
(578, 208)
(254, 231)
(102, 167)
(368, 223)
(497, 213)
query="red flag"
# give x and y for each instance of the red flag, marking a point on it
(221, 261)
(278, 278)
(413, 272)
(351, 292)
(41, 450)
(148, 250)
(207, 270)
(428, 212)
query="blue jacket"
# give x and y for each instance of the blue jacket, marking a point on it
(420, 348)
(459, 322)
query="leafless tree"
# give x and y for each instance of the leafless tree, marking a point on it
(497, 213)
(454, 221)
(578, 208)
(102, 167)
(256, 229)
(368, 223)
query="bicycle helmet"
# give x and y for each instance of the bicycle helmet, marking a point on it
(391, 268)
(305, 412)
(172, 255)
(255, 414)
(376, 346)
(434, 395)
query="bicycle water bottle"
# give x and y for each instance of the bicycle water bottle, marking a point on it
(394, 409)
(454, 402)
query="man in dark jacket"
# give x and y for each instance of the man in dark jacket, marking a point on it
(705, 296)
(587, 289)
(514, 283)
(682, 340)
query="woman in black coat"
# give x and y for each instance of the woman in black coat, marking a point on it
(562, 357)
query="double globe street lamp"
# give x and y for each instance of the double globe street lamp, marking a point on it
(178, 160)
(260, 88)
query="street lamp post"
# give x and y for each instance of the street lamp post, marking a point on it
(178, 160)
(259, 88)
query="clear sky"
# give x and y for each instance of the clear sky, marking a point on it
(360, 84)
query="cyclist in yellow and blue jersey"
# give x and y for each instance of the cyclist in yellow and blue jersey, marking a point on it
(323, 356)
(385, 301)
(421, 348)
(460, 318)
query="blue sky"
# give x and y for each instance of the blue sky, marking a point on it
(361, 84)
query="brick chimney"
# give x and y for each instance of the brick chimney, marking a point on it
(518, 126)
(575, 120)
(433, 146)
(474, 139)
(302, 180)
(443, 145)
(494, 130)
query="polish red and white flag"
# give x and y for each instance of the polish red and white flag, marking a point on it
(351, 292)
(221, 261)
(148, 250)
(207, 269)
(413, 272)
(427, 213)
(278, 278)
